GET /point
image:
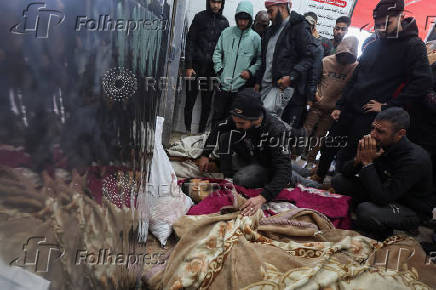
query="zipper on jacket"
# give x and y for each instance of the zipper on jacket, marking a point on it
(236, 61)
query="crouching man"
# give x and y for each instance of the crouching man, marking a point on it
(255, 136)
(390, 179)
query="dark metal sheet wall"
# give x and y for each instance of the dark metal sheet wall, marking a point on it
(53, 103)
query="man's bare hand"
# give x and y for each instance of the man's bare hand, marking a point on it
(284, 82)
(367, 150)
(203, 163)
(245, 75)
(251, 206)
(373, 106)
(335, 115)
(190, 72)
(257, 87)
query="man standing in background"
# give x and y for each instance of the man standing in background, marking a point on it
(236, 59)
(287, 55)
(261, 22)
(339, 31)
(203, 35)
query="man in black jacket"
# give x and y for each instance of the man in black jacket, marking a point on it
(259, 141)
(393, 71)
(295, 111)
(202, 37)
(287, 55)
(390, 178)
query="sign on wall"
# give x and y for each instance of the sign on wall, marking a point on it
(327, 10)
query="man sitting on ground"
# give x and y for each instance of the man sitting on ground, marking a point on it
(258, 139)
(390, 178)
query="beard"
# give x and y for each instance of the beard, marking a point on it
(338, 38)
(277, 23)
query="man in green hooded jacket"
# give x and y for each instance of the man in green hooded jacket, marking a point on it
(236, 59)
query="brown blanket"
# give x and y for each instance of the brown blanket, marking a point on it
(295, 249)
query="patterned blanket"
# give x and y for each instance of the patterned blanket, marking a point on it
(295, 249)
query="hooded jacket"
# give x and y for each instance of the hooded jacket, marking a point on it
(335, 75)
(293, 54)
(237, 51)
(203, 35)
(385, 65)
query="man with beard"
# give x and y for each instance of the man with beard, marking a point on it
(251, 133)
(393, 71)
(390, 179)
(202, 37)
(287, 55)
(339, 31)
(236, 59)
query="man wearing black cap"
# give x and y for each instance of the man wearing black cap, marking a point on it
(393, 71)
(255, 136)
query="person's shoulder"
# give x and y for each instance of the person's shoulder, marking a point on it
(254, 35)
(297, 18)
(329, 59)
(416, 43)
(275, 126)
(227, 30)
(201, 14)
(415, 155)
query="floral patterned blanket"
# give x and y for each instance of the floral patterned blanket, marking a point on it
(296, 249)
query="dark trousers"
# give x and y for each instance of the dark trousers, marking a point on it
(205, 87)
(222, 105)
(370, 216)
(342, 141)
(295, 112)
(238, 163)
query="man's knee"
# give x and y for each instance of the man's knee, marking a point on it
(251, 176)
(341, 184)
(389, 217)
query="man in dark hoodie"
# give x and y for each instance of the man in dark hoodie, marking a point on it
(202, 37)
(287, 55)
(393, 71)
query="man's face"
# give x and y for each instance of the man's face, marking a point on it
(339, 31)
(242, 123)
(243, 23)
(384, 134)
(261, 22)
(387, 26)
(215, 6)
(273, 11)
